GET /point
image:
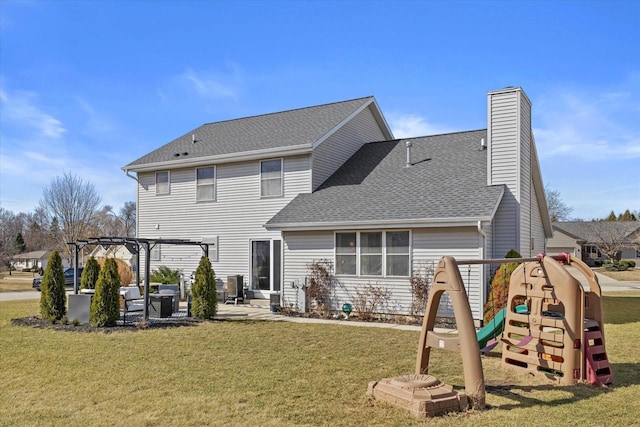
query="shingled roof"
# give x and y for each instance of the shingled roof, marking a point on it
(299, 128)
(447, 182)
(590, 231)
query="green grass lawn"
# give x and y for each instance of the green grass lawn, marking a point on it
(253, 373)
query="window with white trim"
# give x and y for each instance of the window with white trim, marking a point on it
(397, 245)
(206, 184)
(162, 182)
(373, 253)
(154, 254)
(271, 178)
(345, 253)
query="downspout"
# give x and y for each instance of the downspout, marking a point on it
(482, 267)
(135, 178)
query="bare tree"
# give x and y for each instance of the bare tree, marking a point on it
(128, 218)
(10, 227)
(611, 237)
(558, 210)
(73, 203)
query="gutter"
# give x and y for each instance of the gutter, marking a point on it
(222, 158)
(396, 223)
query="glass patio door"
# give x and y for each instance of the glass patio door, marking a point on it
(266, 266)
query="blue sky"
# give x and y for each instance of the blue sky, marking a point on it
(89, 86)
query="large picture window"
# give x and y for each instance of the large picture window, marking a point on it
(162, 182)
(271, 178)
(205, 184)
(373, 253)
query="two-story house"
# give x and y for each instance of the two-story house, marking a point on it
(273, 193)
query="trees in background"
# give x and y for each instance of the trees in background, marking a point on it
(558, 209)
(73, 202)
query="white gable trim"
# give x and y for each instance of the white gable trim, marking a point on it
(375, 110)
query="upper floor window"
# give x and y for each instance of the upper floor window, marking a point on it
(205, 184)
(162, 182)
(271, 178)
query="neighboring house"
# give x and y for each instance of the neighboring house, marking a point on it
(35, 259)
(114, 251)
(275, 192)
(582, 238)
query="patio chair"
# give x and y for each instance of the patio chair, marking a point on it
(133, 301)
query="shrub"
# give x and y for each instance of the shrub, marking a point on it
(616, 266)
(52, 296)
(124, 270)
(499, 291)
(105, 305)
(420, 280)
(64, 320)
(319, 283)
(629, 263)
(165, 275)
(75, 322)
(90, 274)
(204, 302)
(368, 299)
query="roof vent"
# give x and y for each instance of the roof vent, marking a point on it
(483, 144)
(408, 144)
(193, 138)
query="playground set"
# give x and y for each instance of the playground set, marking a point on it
(551, 327)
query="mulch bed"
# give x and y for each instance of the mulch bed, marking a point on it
(130, 326)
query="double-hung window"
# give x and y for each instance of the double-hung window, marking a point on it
(346, 253)
(271, 178)
(397, 245)
(373, 253)
(162, 182)
(206, 184)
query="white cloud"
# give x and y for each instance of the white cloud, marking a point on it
(21, 110)
(211, 86)
(588, 126)
(412, 125)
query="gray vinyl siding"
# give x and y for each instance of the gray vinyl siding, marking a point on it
(340, 146)
(540, 240)
(561, 242)
(428, 244)
(236, 216)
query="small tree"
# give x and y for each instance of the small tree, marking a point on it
(52, 297)
(105, 305)
(90, 274)
(500, 287)
(204, 302)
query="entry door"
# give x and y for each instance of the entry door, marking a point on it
(266, 267)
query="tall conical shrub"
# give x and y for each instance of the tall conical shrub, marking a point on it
(53, 298)
(90, 274)
(204, 300)
(500, 286)
(105, 306)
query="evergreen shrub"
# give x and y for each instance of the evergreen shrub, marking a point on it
(53, 299)
(90, 274)
(204, 300)
(105, 305)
